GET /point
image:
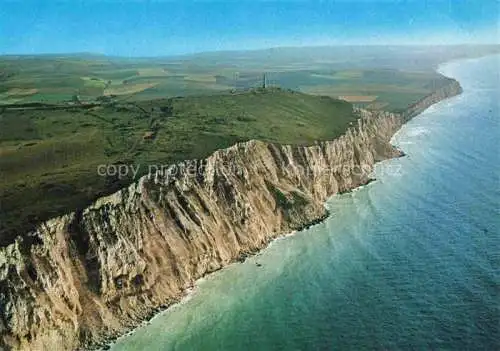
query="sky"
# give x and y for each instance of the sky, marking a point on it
(162, 28)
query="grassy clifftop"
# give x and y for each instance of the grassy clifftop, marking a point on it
(49, 155)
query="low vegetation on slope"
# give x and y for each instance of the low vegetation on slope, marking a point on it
(49, 154)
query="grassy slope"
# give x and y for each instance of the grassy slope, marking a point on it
(49, 158)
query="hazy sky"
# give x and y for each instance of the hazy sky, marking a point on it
(151, 28)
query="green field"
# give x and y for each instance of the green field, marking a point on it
(49, 158)
(145, 81)
(395, 76)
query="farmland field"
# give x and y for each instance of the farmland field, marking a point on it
(397, 76)
(142, 83)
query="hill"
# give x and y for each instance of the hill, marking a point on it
(50, 154)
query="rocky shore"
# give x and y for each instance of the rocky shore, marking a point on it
(93, 274)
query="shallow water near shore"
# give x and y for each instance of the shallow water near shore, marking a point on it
(411, 261)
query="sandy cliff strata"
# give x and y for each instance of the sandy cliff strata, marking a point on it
(92, 274)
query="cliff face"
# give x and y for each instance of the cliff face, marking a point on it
(451, 89)
(94, 273)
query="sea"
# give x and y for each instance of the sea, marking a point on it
(408, 262)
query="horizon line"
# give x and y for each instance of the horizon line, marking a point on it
(90, 53)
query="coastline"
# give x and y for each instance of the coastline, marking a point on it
(383, 256)
(56, 230)
(192, 290)
(189, 293)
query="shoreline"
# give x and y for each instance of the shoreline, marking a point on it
(190, 292)
(112, 237)
(193, 289)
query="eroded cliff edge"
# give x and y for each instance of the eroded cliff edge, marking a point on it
(94, 273)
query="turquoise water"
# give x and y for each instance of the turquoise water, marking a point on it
(411, 261)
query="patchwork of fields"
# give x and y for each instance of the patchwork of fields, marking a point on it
(57, 80)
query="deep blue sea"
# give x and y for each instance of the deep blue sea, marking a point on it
(409, 262)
